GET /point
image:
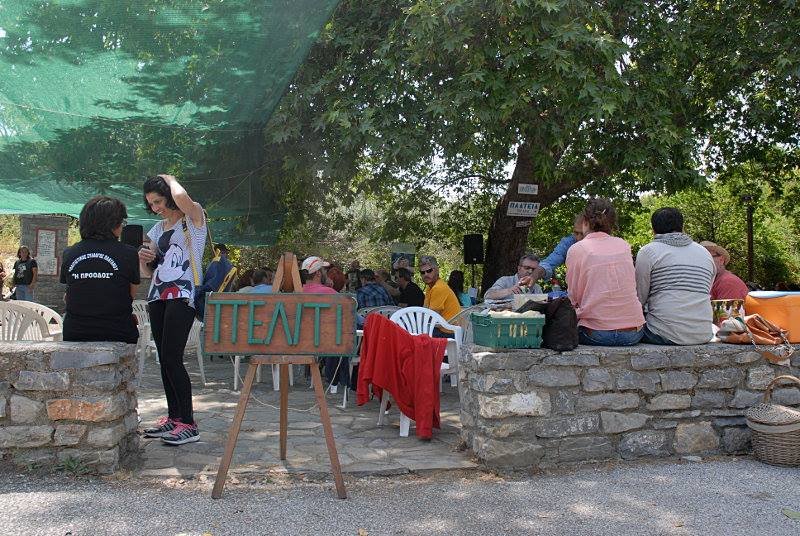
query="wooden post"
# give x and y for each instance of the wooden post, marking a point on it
(284, 423)
(326, 426)
(233, 434)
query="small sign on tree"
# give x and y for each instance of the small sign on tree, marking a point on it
(529, 189)
(522, 208)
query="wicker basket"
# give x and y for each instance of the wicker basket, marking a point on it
(775, 429)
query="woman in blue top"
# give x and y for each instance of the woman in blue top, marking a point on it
(456, 283)
(174, 257)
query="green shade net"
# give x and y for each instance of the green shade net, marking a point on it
(95, 95)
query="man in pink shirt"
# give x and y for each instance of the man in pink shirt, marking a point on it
(313, 270)
(601, 281)
(727, 285)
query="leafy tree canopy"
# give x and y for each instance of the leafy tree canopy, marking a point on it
(400, 100)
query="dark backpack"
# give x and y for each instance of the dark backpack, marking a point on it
(560, 331)
(561, 326)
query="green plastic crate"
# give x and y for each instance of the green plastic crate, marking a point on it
(507, 332)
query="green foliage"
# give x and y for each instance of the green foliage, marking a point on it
(716, 213)
(9, 235)
(419, 106)
(73, 466)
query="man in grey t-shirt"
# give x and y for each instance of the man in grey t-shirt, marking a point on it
(673, 280)
(508, 285)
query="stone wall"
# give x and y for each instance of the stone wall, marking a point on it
(48, 290)
(68, 402)
(539, 408)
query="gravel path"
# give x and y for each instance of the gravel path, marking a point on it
(721, 497)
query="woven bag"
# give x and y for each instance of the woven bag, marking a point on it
(775, 429)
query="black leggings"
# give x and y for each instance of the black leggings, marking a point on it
(170, 322)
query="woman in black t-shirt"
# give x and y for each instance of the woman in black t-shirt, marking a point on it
(101, 275)
(26, 273)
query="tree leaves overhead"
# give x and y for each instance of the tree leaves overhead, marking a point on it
(418, 94)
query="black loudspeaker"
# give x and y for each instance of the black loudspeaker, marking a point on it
(473, 249)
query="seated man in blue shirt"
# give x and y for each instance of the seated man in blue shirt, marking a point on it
(371, 293)
(559, 254)
(262, 283)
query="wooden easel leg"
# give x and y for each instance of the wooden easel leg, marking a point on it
(326, 425)
(233, 434)
(284, 381)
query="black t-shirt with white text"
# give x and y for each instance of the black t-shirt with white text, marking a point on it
(99, 275)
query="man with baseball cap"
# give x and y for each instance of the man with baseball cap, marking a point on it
(313, 270)
(727, 286)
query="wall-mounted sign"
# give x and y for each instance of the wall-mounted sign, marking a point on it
(531, 189)
(46, 258)
(520, 208)
(284, 324)
(524, 223)
(45, 243)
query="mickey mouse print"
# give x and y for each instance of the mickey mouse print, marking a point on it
(173, 277)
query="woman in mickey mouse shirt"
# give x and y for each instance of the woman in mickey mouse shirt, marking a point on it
(176, 242)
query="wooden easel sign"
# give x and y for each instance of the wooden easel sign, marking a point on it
(280, 329)
(280, 324)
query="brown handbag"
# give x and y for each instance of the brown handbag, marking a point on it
(757, 330)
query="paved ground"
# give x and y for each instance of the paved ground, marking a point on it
(723, 497)
(364, 448)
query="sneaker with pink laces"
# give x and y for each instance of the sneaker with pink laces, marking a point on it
(163, 426)
(181, 434)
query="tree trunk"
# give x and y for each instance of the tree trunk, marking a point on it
(506, 242)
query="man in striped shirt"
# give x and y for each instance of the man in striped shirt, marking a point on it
(673, 280)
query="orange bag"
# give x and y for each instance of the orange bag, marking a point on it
(757, 330)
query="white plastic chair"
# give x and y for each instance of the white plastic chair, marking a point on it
(383, 310)
(21, 323)
(193, 341)
(464, 320)
(354, 360)
(419, 321)
(55, 324)
(143, 324)
(140, 312)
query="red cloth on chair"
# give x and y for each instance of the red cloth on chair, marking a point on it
(405, 365)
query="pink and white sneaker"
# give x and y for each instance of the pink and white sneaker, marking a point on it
(181, 434)
(164, 426)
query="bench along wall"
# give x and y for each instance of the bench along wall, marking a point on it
(68, 401)
(539, 408)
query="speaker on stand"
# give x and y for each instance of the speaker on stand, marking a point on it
(473, 252)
